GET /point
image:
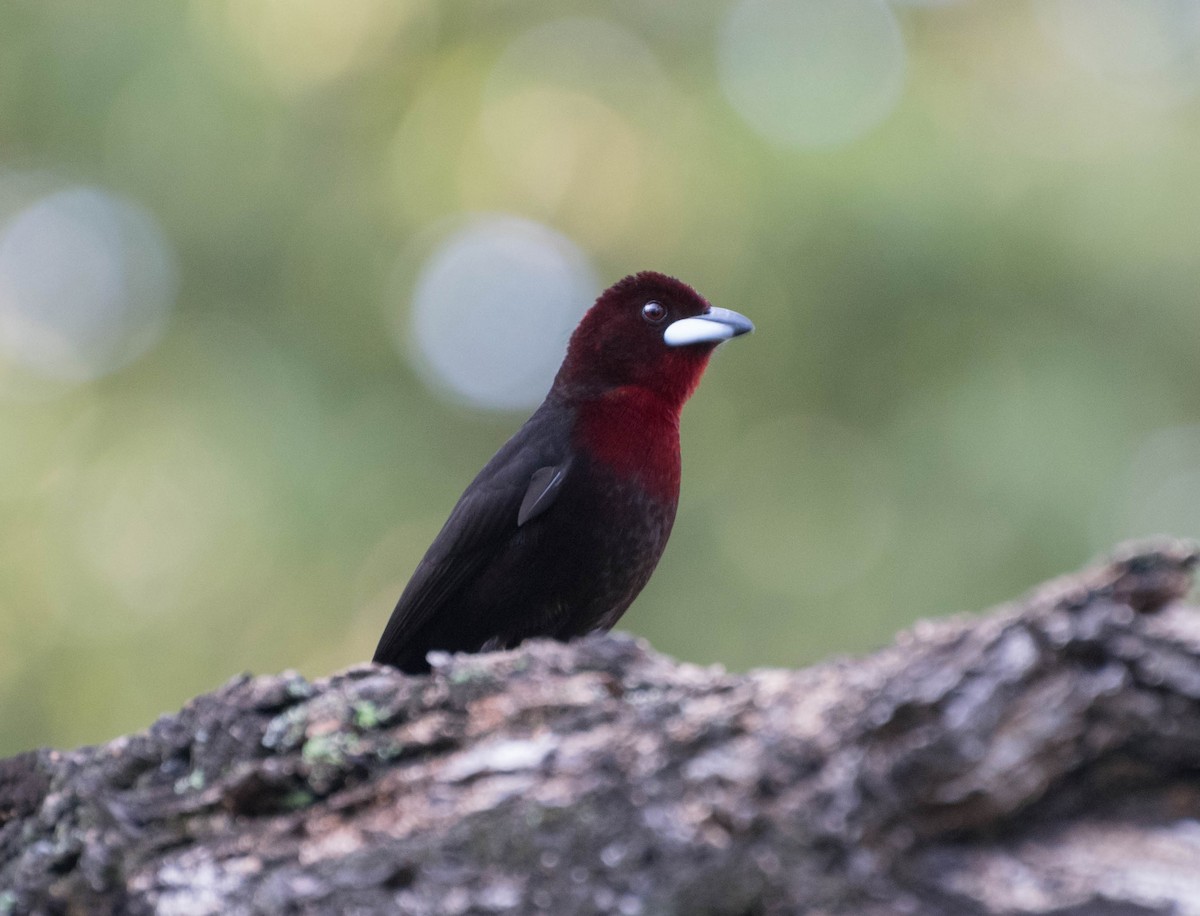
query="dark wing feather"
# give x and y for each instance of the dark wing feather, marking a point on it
(457, 555)
(484, 518)
(541, 493)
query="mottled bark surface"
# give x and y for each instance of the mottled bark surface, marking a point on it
(1044, 758)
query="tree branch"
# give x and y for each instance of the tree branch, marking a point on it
(1044, 758)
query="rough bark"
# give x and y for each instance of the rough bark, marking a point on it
(1044, 758)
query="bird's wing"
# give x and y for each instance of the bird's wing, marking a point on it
(515, 487)
(541, 493)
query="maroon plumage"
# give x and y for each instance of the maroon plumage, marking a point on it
(563, 527)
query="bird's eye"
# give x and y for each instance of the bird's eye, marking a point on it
(654, 312)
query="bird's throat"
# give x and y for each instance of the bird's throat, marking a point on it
(635, 433)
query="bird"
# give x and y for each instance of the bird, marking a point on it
(564, 526)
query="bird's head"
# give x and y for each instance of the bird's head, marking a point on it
(650, 331)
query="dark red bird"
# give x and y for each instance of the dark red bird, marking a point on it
(563, 527)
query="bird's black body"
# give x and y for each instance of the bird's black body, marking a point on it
(564, 526)
(488, 583)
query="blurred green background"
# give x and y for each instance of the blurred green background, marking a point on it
(278, 276)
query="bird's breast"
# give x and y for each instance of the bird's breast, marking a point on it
(606, 537)
(635, 436)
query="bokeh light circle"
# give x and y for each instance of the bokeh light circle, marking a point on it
(493, 308)
(304, 44)
(584, 54)
(568, 116)
(1150, 47)
(812, 73)
(87, 281)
